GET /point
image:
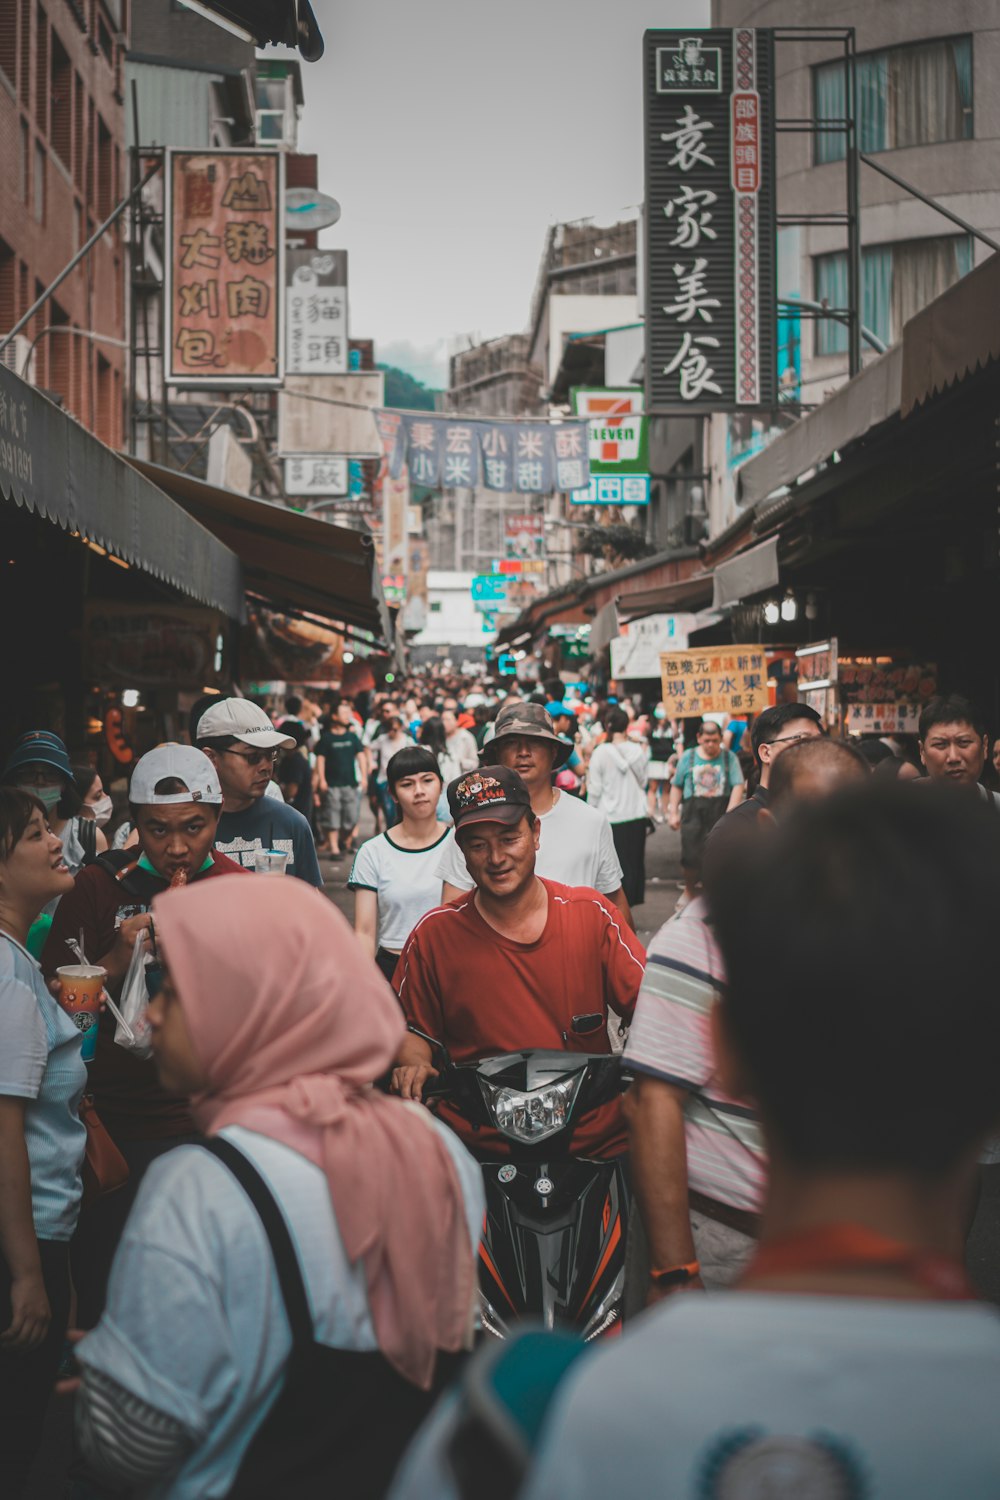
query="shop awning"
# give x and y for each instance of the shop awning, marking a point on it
(689, 593)
(863, 403)
(955, 335)
(746, 574)
(51, 465)
(294, 562)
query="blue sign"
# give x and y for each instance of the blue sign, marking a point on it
(489, 591)
(614, 489)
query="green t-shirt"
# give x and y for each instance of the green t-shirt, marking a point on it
(338, 752)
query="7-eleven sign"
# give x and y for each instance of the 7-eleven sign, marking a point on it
(617, 432)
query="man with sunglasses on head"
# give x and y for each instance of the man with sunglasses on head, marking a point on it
(242, 743)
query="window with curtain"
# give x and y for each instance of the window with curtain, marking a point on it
(917, 95)
(896, 282)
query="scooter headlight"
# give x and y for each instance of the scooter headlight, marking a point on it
(535, 1115)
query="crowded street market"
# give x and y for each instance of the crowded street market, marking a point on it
(593, 1086)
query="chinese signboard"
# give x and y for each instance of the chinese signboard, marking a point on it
(636, 652)
(883, 718)
(618, 442)
(710, 221)
(224, 267)
(395, 505)
(316, 476)
(489, 592)
(330, 414)
(316, 340)
(528, 458)
(611, 489)
(882, 680)
(719, 680)
(524, 538)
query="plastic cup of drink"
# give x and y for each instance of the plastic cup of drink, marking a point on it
(80, 989)
(271, 862)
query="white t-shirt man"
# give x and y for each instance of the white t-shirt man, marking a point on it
(575, 848)
(732, 1396)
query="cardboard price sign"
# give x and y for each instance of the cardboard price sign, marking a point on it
(720, 680)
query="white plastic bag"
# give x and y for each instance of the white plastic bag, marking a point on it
(133, 1031)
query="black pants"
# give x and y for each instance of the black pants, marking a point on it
(101, 1225)
(699, 816)
(630, 846)
(26, 1380)
(387, 962)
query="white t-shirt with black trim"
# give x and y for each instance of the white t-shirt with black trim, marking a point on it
(406, 882)
(575, 848)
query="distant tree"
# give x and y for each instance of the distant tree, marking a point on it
(404, 391)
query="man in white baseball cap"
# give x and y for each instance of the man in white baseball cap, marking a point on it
(242, 744)
(175, 800)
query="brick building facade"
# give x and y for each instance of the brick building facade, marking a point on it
(62, 171)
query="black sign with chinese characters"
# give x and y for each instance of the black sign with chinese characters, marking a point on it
(710, 221)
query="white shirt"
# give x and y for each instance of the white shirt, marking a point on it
(463, 748)
(746, 1395)
(195, 1324)
(405, 881)
(616, 781)
(575, 848)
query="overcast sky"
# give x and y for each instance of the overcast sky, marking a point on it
(453, 132)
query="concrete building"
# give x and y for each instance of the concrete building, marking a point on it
(929, 110)
(454, 626)
(62, 137)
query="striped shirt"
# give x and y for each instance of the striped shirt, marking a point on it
(671, 1039)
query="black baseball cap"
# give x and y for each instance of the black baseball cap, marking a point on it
(493, 794)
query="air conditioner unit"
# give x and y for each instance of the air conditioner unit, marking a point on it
(19, 357)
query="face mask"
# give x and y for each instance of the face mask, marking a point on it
(103, 808)
(48, 796)
(659, 713)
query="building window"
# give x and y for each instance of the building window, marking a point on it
(8, 288)
(896, 282)
(39, 191)
(105, 168)
(23, 159)
(42, 73)
(61, 91)
(8, 41)
(918, 95)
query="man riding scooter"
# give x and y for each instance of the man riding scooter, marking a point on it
(516, 963)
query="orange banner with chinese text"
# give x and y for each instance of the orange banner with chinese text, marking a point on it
(224, 273)
(716, 680)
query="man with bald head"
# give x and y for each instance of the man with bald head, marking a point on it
(698, 1155)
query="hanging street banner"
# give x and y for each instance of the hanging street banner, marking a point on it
(719, 680)
(526, 458)
(710, 221)
(319, 475)
(224, 274)
(316, 341)
(618, 438)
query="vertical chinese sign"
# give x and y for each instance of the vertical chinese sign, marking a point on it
(316, 341)
(225, 272)
(710, 221)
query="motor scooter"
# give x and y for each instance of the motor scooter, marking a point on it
(556, 1225)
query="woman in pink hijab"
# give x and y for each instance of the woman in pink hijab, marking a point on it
(287, 1299)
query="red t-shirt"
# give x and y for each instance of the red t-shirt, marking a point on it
(481, 994)
(127, 1094)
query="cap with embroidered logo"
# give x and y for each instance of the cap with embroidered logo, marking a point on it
(239, 719)
(493, 794)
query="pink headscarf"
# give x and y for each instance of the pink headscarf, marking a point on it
(291, 1021)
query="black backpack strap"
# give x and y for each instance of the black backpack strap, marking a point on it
(286, 1261)
(87, 832)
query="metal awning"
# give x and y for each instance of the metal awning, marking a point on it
(295, 562)
(863, 403)
(685, 594)
(51, 465)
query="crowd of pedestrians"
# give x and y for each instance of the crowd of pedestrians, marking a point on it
(270, 1275)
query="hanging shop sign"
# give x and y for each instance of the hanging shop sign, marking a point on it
(330, 414)
(524, 538)
(636, 651)
(710, 220)
(489, 592)
(165, 645)
(527, 458)
(316, 341)
(319, 475)
(882, 718)
(722, 680)
(617, 437)
(224, 273)
(395, 507)
(612, 489)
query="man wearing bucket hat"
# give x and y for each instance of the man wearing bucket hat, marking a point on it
(517, 962)
(575, 844)
(40, 766)
(242, 744)
(175, 799)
